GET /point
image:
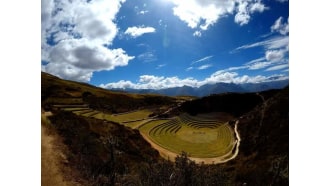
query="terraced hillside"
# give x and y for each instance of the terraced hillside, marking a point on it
(199, 136)
(250, 128)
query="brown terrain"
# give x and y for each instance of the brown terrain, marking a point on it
(54, 172)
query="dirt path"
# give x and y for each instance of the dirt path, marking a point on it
(263, 107)
(171, 155)
(52, 161)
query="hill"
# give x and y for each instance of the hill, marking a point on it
(56, 91)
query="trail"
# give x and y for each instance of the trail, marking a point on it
(262, 109)
(221, 159)
(52, 160)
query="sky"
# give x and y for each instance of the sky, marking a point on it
(165, 43)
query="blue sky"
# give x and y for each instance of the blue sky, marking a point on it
(165, 43)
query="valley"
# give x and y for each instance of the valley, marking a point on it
(115, 137)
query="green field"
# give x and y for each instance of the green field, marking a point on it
(199, 137)
(202, 136)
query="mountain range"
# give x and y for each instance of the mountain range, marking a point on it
(209, 89)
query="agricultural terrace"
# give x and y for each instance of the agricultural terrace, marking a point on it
(131, 119)
(204, 136)
(200, 136)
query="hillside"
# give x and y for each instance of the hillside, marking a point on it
(56, 91)
(110, 152)
(264, 150)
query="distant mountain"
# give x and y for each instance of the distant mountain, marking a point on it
(217, 88)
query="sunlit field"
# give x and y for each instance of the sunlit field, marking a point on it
(202, 136)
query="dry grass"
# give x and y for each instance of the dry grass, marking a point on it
(52, 159)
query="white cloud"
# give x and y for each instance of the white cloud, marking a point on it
(202, 59)
(196, 12)
(232, 77)
(242, 17)
(259, 65)
(153, 82)
(220, 76)
(150, 79)
(142, 12)
(257, 7)
(73, 58)
(189, 68)
(161, 82)
(279, 26)
(120, 84)
(203, 67)
(255, 64)
(147, 57)
(275, 55)
(80, 31)
(204, 13)
(160, 66)
(276, 49)
(245, 8)
(278, 67)
(139, 31)
(274, 43)
(197, 34)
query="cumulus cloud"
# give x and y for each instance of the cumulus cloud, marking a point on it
(257, 7)
(73, 58)
(245, 8)
(139, 31)
(76, 36)
(161, 82)
(280, 26)
(153, 82)
(204, 13)
(242, 17)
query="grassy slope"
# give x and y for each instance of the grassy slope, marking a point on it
(57, 91)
